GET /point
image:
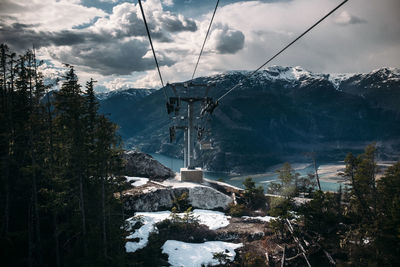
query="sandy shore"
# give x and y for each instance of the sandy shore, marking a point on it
(330, 173)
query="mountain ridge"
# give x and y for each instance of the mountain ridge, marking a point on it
(277, 115)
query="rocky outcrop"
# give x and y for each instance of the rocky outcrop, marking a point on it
(140, 164)
(155, 197)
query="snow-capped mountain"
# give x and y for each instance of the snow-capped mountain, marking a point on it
(128, 93)
(278, 114)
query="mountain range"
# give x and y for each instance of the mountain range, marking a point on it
(279, 114)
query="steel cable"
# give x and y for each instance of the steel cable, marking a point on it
(283, 49)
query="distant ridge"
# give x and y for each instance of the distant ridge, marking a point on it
(277, 115)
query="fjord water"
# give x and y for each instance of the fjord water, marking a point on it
(261, 179)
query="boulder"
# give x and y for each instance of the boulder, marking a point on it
(155, 197)
(140, 164)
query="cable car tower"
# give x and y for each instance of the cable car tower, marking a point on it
(188, 105)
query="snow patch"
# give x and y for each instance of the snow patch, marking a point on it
(175, 183)
(337, 78)
(259, 218)
(136, 181)
(148, 219)
(194, 255)
(212, 219)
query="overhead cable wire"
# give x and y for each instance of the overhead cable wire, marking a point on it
(152, 48)
(205, 39)
(283, 49)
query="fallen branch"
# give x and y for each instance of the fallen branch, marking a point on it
(290, 227)
(283, 256)
(331, 260)
(294, 257)
(266, 259)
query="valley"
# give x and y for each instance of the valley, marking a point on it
(281, 114)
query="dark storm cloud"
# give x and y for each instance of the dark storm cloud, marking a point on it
(100, 52)
(107, 46)
(22, 36)
(229, 41)
(174, 24)
(113, 58)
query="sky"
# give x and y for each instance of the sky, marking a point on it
(106, 39)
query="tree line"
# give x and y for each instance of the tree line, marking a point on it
(356, 226)
(60, 169)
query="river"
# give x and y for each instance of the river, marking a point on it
(328, 173)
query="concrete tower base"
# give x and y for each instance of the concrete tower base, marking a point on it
(194, 175)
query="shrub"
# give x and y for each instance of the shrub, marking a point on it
(254, 196)
(237, 210)
(222, 257)
(251, 259)
(181, 203)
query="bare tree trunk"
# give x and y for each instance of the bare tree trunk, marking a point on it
(7, 209)
(51, 151)
(283, 256)
(83, 214)
(122, 206)
(56, 241)
(8, 128)
(316, 172)
(104, 218)
(33, 163)
(331, 260)
(290, 227)
(30, 235)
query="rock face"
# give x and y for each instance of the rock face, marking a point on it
(143, 165)
(155, 197)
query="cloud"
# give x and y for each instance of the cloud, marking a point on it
(120, 58)
(109, 1)
(177, 24)
(22, 36)
(114, 44)
(126, 21)
(119, 83)
(327, 48)
(228, 41)
(168, 2)
(49, 15)
(243, 36)
(344, 18)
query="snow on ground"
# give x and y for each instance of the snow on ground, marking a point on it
(137, 181)
(149, 219)
(176, 183)
(259, 218)
(194, 255)
(212, 219)
(337, 78)
(222, 184)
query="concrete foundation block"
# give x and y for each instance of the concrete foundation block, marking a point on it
(188, 175)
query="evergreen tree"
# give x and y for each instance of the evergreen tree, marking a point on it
(388, 217)
(60, 164)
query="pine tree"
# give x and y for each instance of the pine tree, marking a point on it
(60, 164)
(388, 220)
(69, 105)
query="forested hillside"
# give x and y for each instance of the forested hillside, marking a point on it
(278, 115)
(60, 167)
